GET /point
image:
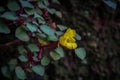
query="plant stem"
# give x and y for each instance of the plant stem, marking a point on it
(11, 43)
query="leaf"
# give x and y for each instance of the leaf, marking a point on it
(45, 61)
(38, 16)
(21, 50)
(35, 23)
(46, 2)
(21, 34)
(31, 27)
(60, 51)
(5, 71)
(20, 73)
(48, 30)
(2, 9)
(42, 41)
(4, 28)
(80, 52)
(61, 27)
(53, 38)
(12, 64)
(26, 4)
(51, 10)
(33, 47)
(35, 57)
(42, 36)
(13, 5)
(55, 55)
(110, 4)
(59, 33)
(41, 5)
(9, 16)
(38, 69)
(23, 58)
(39, 11)
(24, 15)
(29, 11)
(40, 21)
(78, 37)
(59, 14)
(55, 1)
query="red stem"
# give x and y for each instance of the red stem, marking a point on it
(11, 43)
(40, 53)
(51, 44)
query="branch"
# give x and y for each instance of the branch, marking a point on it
(11, 43)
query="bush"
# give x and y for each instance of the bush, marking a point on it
(33, 38)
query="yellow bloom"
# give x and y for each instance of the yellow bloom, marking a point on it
(70, 32)
(67, 39)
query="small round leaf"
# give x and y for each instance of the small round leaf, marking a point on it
(38, 69)
(54, 55)
(80, 52)
(20, 73)
(45, 61)
(21, 34)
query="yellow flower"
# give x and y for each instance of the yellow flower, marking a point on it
(67, 39)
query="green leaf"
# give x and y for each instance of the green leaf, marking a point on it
(2, 9)
(55, 1)
(59, 14)
(51, 10)
(12, 64)
(21, 50)
(26, 4)
(5, 71)
(42, 36)
(29, 11)
(60, 51)
(59, 33)
(23, 58)
(48, 30)
(40, 21)
(61, 27)
(38, 16)
(31, 27)
(24, 15)
(80, 52)
(55, 55)
(4, 28)
(110, 3)
(45, 61)
(9, 16)
(41, 5)
(33, 47)
(21, 34)
(38, 69)
(53, 38)
(13, 5)
(35, 23)
(35, 57)
(46, 2)
(20, 73)
(78, 37)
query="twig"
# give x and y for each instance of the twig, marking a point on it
(11, 43)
